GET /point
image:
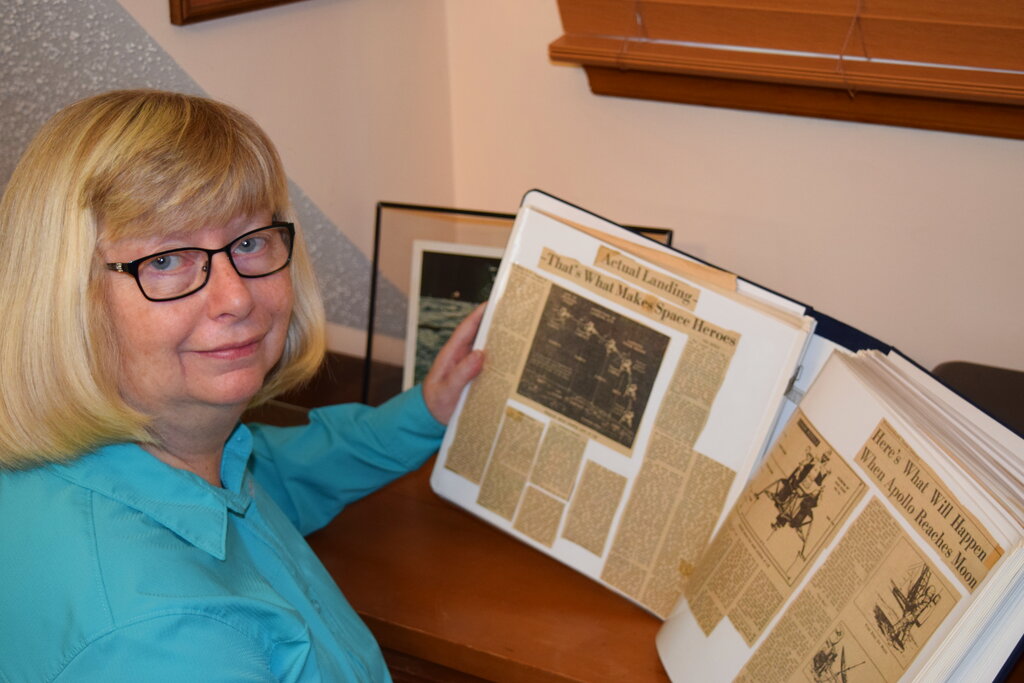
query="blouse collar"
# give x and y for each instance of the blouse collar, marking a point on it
(179, 500)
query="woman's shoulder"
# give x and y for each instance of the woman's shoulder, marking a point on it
(42, 519)
(53, 597)
(86, 573)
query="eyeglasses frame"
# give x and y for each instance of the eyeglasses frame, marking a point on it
(132, 267)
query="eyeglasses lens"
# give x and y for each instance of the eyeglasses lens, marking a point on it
(176, 273)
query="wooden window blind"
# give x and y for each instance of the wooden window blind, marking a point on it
(954, 65)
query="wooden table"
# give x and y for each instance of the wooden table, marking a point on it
(451, 598)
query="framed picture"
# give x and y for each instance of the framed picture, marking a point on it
(191, 11)
(448, 281)
(431, 266)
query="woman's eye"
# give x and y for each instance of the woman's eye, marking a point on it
(251, 245)
(174, 263)
(166, 263)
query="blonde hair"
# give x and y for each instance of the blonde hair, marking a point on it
(138, 163)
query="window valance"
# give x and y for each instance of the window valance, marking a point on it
(938, 64)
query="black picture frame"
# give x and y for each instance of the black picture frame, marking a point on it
(403, 235)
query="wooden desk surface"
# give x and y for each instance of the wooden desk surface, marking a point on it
(435, 583)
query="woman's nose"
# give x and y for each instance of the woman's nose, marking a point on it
(229, 292)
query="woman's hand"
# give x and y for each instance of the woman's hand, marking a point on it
(456, 364)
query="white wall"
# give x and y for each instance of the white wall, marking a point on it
(353, 92)
(913, 236)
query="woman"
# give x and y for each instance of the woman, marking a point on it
(153, 286)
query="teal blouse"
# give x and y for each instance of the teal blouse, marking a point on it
(118, 567)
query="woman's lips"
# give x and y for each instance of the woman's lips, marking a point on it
(232, 351)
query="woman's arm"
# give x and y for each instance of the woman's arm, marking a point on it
(348, 451)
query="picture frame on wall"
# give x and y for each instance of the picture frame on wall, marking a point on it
(191, 11)
(431, 266)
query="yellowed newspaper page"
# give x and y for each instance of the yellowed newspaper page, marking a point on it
(618, 411)
(851, 555)
(791, 510)
(865, 615)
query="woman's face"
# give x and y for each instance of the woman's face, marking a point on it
(211, 348)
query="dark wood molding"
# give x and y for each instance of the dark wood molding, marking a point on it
(191, 11)
(979, 118)
(955, 67)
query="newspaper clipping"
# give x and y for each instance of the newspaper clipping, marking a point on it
(790, 511)
(863, 616)
(590, 372)
(934, 513)
(877, 597)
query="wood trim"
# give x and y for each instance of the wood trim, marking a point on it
(895, 110)
(192, 11)
(955, 65)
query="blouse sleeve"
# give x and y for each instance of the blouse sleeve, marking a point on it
(345, 452)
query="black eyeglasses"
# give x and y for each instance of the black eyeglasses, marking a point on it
(176, 273)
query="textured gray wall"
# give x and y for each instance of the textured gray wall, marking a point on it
(53, 52)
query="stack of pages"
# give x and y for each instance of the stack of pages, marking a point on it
(794, 508)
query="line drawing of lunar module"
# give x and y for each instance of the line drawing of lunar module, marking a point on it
(796, 496)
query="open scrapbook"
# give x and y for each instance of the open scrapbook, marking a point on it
(796, 500)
